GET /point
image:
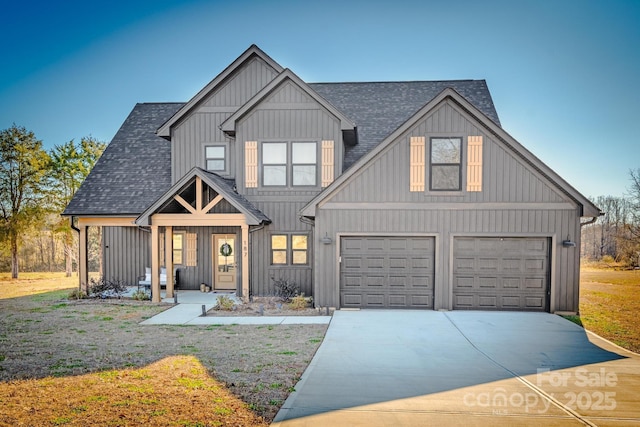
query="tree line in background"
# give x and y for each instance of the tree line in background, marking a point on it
(615, 236)
(35, 187)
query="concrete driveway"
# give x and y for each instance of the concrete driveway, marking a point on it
(418, 368)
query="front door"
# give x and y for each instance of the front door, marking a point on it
(224, 262)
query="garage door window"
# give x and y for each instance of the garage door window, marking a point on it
(445, 170)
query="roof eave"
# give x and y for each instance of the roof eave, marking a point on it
(164, 131)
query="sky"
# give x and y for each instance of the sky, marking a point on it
(564, 74)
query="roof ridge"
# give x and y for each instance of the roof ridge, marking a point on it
(399, 81)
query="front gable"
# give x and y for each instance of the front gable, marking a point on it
(201, 198)
(400, 168)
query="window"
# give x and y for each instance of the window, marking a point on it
(278, 249)
(292, 163)
(178, 248)
(289, 249)
(274, 164)
(303, 163)
(215, 158)
(445, 170)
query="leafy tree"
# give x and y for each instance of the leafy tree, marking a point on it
(23, 165)
(70, 165)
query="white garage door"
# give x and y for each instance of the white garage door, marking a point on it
(386, 272)
(493, 273)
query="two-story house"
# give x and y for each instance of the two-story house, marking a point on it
(380, 194)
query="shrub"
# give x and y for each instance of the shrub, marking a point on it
(224, 303)
(286, 289)
(141, 295)
(103, 288)
(299, 302)
(77, 294)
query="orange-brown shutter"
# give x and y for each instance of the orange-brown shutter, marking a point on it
(474, 163)
(251, 164)
(327, 163)
(416, 164)
(191, 250)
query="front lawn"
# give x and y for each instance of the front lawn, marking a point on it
(610, 304)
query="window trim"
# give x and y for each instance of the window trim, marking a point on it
(289, 250)
(289, 165)
(225, 159)
(182, 250)
(459, 189)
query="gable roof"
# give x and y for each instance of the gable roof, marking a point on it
(133, 171)
(165, 130)
(379, 108)
(229, 125)
(588, 208)
(224, 187)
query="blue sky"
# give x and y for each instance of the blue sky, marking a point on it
(564, 74)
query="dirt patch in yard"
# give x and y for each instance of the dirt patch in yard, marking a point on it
(46, 337)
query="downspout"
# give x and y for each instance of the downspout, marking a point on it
(252, 230)
(591, 221)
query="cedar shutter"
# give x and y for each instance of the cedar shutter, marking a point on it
(327, 163)
(416, 163)
(474, 163)
(191, 250)
(251, 164)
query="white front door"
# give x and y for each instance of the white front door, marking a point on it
(224, 262)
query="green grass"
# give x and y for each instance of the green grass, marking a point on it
(610, 303)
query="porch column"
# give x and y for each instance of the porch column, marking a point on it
(83, 261)
(245, 262)
(168, 259)
(155, 264)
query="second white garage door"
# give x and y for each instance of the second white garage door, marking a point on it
(387, 272)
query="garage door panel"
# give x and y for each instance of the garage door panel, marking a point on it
(501, 273)
(395, 272)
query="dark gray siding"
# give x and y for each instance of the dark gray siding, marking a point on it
(516, 200)
(202, 127)
(288, 114)
(126, 253)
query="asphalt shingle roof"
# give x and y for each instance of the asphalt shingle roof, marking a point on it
(135, 169)
(379, 108)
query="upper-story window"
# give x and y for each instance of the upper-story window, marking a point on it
(289, 163)
(445, 164)
(215, 158)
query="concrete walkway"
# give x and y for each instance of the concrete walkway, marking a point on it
(422, 368)
(188, 311)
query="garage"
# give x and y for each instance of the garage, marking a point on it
(387, 272)
(501, 273)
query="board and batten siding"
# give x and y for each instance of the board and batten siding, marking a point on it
(202, 126)
(287, 115)
(515, 200)
(284, 216)
(126, 251)
(445, 224)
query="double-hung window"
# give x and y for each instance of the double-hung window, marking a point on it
(445, 164)
(289, 163)
(215, 158)
(289, 249)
